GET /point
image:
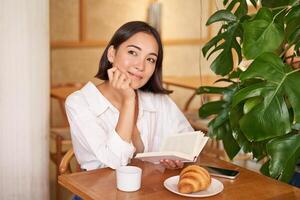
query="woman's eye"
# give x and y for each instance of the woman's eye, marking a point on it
(151, 60)
(132, 52)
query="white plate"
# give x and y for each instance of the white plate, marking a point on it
(215, 187)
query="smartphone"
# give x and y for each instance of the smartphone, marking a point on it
(221, 172)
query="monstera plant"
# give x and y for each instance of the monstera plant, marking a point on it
(259, 111)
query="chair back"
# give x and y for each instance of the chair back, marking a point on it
(60, 92)
(65, 164)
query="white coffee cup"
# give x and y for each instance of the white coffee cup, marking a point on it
(129, 178)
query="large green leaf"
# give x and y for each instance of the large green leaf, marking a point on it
(221, 118)
(210, 108)
(265, 168)
(230, 145)
(219, 127)
(223, 64)
(261, 35)
(259, 149)
(242, 8)
(234, 116)
(251, 103)
(217, 107)
(274, 3)
(266, 120)
(216, 132)
(293, 13)
(271, 68)
(284, 153)
(221, 15)
(264, 113)
(295, 36)
(224, 43)
(248, 92)
(268, 66)
(270, 118)
(263, 14)
(213, 42)
(291, 88)
(292, 25)
(212, 90)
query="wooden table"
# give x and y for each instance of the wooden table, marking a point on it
(101, 184)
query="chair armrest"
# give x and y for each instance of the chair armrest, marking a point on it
(65, 162)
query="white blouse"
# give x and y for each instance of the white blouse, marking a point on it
(93, 120)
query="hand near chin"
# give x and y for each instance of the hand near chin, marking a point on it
(120, 81)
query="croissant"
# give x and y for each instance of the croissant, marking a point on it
(193, 179)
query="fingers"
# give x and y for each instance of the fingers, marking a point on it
(110, 73)
(172, 164)
(127, 83)
(118, 79)
(121, 81)
(115, 78)
(179, 164)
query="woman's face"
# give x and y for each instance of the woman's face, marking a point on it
(136, 57)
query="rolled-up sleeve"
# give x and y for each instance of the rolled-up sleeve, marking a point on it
(95, 145)
(115, 143)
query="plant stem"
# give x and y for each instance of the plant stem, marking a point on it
(279, 7)
(285, 7)
(294, 71)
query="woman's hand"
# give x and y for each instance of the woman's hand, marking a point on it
(121, 82)
(171, 164)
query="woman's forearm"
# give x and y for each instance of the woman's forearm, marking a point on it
(125, 123)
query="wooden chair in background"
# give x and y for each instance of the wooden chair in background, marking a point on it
(61, 134)
(65, 166)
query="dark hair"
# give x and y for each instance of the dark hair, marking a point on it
(121, 35)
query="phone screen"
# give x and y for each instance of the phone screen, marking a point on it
(221, 172)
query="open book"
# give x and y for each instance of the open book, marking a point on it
(182, 146)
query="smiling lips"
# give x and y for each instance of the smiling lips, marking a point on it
(135, 75)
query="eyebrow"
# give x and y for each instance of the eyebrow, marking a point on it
(139, 48)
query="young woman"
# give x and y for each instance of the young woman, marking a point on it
(130, 111)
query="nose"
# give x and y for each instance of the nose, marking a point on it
(140, 65)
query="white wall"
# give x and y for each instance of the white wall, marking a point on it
(24, 99)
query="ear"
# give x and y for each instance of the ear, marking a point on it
(111, 54)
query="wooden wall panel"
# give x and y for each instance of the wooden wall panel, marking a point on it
(105, 16)
(64, 18)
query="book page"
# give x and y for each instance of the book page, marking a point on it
(185, 142)
(183, 146)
